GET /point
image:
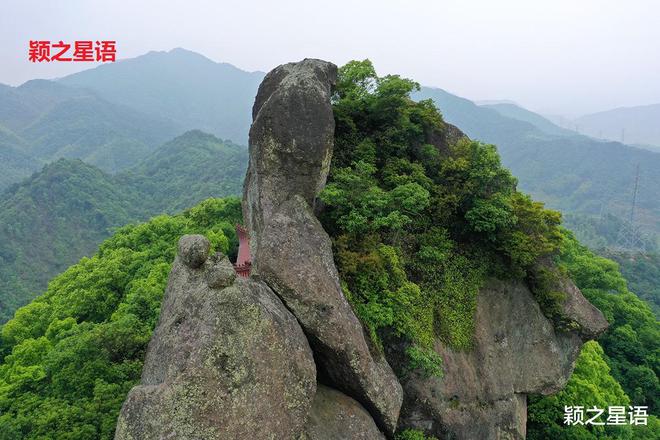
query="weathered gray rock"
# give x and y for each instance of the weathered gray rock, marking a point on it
(228, 363)
(219, 272)
(194, 250)
(335, 416)
(291, 142)
(291, 139)
(517, 351)
(295, 259)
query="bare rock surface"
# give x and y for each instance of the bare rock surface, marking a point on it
(335, 416)
(516, 352)
(291, 141)
(223, 363)
(295, 259)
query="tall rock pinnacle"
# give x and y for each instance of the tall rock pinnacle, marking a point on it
(291, 142)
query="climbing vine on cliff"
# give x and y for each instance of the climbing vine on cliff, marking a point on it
(419, 219)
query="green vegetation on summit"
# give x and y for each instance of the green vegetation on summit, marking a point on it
(575, 174)
(418, 219)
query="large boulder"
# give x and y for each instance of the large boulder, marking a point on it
(291, 141)
(227, 360)
(295, 259)
(517, 351)
(335, 416)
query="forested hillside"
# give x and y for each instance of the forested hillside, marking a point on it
(190, 168)
(70, 357)
(41, 121)
(575, 174)
(50, 221)
(642, 272)
(161, 93)
(62, 213)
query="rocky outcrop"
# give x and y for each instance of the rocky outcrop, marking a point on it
(516, 352)
(235, 358)
(226, 361)
(291, 139)
(335, 416)
(295, 259)
(291, 143)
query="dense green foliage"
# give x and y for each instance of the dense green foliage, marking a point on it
(418, 221)
(572, 173)
(63, 212)
(632, 342)
(70, 357)
(190, 168)
(50, 221)
(642, 272)
(624, 371)
(591, 385)
(412, 434)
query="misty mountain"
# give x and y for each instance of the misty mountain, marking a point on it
(41, 121)
(63, 212)
(181, 86)
(635, 125)
(515, 111)
(15, 164)
(575, 174)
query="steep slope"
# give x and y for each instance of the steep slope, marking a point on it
(575, 174)
(181, 86)
(52, 219)
(62, 213)
(637, 125)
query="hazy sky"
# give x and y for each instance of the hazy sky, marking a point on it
(558, 56)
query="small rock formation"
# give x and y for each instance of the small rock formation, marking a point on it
(291, 143)
(517, 351)
(335, 416)
(226, 361)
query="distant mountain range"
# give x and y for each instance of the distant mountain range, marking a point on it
(63, 212)
(632, 125)
(182, 86)
(116, 117)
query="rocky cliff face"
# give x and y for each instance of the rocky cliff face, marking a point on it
(282, 355)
